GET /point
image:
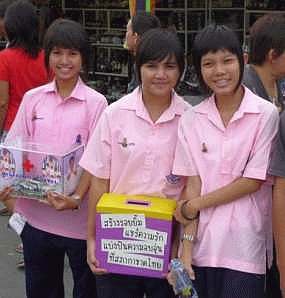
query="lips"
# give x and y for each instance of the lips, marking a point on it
(221, 83)
(160, 83)
(64, 69)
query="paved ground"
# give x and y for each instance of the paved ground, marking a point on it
(12, 282)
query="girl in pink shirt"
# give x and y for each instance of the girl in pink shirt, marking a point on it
(58, 114)
(223, 149)
(132, 150)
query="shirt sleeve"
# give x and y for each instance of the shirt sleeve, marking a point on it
(96, 158)
(184, 164)
(277, 164)
(97, 112)
(258, 161)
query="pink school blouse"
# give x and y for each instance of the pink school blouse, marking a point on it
(233, 235)
(132, 151)
(44, 117)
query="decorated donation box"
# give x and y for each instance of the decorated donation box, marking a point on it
(34, 169)
(133, 234)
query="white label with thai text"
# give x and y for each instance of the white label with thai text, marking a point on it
(145, 234)
(112, 221)
(135, 260)
(130, 246)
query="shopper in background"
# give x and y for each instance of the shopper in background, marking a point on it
(266, 65)
(67, 110)
(124, 154)
(3, 7)
(136, 27)
(263, 76)
(22, 63)
(223, 148)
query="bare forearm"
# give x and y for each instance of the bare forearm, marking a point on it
(97, 189)
(190, 229)
(84, 184)
(231, 192)
(4, 98)
(10, 204)
(3, 111)
(192, 191)
(175, 239)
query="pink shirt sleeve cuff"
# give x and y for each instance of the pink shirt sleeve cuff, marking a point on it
(255, 173)
(184, 172)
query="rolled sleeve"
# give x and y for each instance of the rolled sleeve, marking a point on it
(184, 164)
(257, 165)
(277, 164)
(97, 156)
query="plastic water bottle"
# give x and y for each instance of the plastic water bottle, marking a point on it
(183, 284)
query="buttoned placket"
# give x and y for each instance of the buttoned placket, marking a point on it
(57, 119)
(226, 151)
(150, 155)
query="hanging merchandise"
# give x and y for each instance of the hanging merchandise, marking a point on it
(141, 5)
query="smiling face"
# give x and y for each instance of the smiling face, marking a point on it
(65, 64)
(159, 77)
(221, 72)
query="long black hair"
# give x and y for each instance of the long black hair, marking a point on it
(22, 27)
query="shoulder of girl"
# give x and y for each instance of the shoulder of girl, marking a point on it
(35, 91)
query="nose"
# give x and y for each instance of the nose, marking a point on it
(64, 58)
(160, 72)
(219, 68)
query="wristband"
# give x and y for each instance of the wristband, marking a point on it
(183, 212)
(188, 237)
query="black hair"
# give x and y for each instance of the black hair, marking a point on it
(156, 45)
(22, 27)
(143, 21)
(267, 33)
(212, 39)
(3, 7)
(67, 34)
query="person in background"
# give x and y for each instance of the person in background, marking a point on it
(223, 149)
(266, 65)
(136, 27)
(46, 115)
(263, 75)
(277, 169)
(21, 63)
(124, 154)
(3, 7)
